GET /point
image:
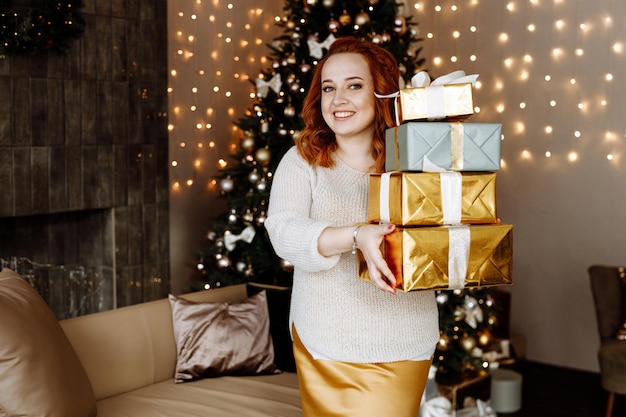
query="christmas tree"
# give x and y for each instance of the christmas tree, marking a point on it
(237, 248)
(466, 318)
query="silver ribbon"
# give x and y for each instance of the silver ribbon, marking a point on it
(451, 196)
(458, 255)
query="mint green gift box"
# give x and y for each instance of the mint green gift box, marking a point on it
(435, 146)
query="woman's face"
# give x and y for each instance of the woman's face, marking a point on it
(348, 96)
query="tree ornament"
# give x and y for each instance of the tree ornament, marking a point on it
(468, 343)
(248, 216)
(260, 219)
(362, 19)
(224, 263)
(290, 111)
(249, 272)
(282, 131)
(219, 242)
(247, 143)
(484, 338)
(333, 26)
(290, 24)
(377, 39)
(310, 2)
(345, 19)
(286, 265)
(261, 186)
(211, 235)
(373, 2)
(263, 156)
(442, 298)
(233, 217)
(241, 266)
(444, 342)
(294, 88)
(254, 176)
(328, 3)
(400, 25)
(227, 184)
(305, 68)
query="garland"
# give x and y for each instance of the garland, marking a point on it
(39, 31)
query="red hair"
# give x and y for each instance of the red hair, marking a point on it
(317, 141)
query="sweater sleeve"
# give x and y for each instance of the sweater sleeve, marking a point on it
(292, 231)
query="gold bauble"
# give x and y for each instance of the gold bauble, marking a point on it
(247, 143)
(263, 156)
(289, 111)
(484, 338)
(328, 3)
(361, 19)
(444, 342)
(468, 343)
(345, 19)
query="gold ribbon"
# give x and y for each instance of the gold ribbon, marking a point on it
(457, 136)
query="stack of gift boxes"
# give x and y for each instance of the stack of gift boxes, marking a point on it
(439, 189)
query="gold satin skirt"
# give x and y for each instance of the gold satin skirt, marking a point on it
(343, 389)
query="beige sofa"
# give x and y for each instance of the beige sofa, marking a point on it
(128, 359)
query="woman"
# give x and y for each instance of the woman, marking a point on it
(361, 349)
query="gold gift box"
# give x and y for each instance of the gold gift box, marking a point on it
(416, 199)
(457, 99)
(419, 257)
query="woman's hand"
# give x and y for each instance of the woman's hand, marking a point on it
(369, 239)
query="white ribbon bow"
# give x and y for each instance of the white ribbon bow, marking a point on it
(436, 407)
(422, 79)
(246, 235)
(262, 86)
(316, 48)
(473, 312)
(482, 409)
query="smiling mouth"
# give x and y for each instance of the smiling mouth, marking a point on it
(343, 114)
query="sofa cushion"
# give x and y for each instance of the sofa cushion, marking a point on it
(228, 396)
(215, 339)
(40, 374)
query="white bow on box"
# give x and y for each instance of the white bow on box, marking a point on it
(246, 235)
(422, 79)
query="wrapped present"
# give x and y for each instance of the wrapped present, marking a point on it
(438, 146)
(428, 198)
(447, 257)
(448, 96)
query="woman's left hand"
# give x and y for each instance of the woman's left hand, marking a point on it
(369, 239)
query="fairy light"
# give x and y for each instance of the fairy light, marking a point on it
(209, 39)
(216, 48)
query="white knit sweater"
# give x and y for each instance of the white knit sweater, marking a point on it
(337, 315)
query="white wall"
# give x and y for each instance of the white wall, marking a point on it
(568, 210)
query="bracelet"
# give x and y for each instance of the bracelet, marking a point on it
(354, 245)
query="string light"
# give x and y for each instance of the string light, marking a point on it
(225, 39)
(535, 94)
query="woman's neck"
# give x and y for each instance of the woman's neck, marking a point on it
(356, 156)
